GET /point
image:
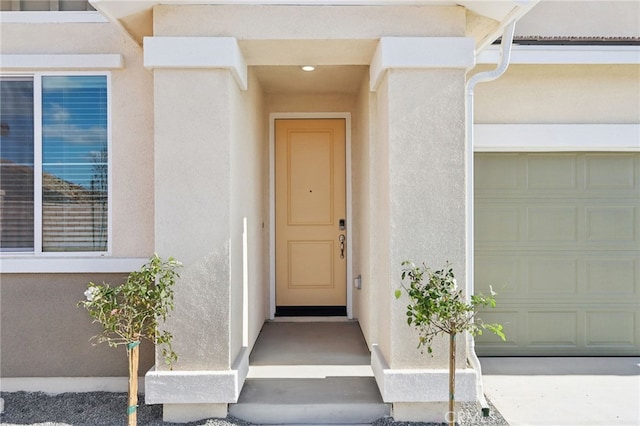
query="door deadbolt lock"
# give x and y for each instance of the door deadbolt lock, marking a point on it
(341, 224)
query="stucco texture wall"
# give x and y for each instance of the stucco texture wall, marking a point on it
(192, 214)
(582, 18)
(363, 233)
(219, 134)
(45, 334)
(131, 119)
(249, 189)
(422, 117)
(283, 22)
(40, 320)
(561, 94)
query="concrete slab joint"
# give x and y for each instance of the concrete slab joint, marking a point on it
(420, 385)
(420, 52)
(197, 52)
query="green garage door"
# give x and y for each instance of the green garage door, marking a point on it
(557, 235)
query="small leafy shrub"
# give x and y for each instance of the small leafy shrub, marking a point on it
(133, 311)
(439, 307)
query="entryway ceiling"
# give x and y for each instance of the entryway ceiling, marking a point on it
(325, 79)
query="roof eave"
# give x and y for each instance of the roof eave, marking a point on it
(134, 16)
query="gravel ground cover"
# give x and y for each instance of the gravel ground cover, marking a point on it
(108, 409)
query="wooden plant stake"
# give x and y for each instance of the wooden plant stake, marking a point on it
(133, 350)
(452, 379)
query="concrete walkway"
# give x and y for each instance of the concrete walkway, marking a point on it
(291, 358)
(310, 372)
(564, 391)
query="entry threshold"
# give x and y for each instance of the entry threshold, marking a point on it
(311, 311)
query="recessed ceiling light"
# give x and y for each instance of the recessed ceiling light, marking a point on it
(308, 68)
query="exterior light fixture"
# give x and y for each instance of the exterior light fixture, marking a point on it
(308, 68)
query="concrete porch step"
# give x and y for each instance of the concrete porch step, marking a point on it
(308, 371)
(329, 400)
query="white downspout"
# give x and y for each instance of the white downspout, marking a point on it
(507, 41)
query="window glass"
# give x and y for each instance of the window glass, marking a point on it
(74, 163)
(34, 5)
(45, 5)
(74, 5)
(16, 164)
(65, 156)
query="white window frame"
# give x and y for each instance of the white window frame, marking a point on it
(52, 17)
(37, 159)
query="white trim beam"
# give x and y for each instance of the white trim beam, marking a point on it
(564, 55)
(69, 265)
(37, 62)
(196, 52)
(89, 17)
(556, 137)
(420, 53)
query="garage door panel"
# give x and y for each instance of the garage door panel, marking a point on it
(552, 276)
(561, 329)
(611, 329)
(552, 223)
(497, 224)
(609, 171)
(611, 223)
(499, 171)
(500, 273)
(552, 172)
(564, 224)
(559, 239)
(613, 277)
(567, 275)
(549, 328)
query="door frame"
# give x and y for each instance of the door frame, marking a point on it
(272, 201)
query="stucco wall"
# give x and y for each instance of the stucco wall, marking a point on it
(421, 114)
(574, 94)
(381, 221)
(131, 119)
(192, 196)
(594, 18)
(45, 334)
(249, 189)
(363, 233)
(40, 320)
(281, 22)
(310, 103)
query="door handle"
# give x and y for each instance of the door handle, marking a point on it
(341, 238)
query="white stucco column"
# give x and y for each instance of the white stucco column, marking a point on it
(194, 84)
(420, 211)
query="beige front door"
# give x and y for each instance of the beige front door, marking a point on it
(310, 213)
